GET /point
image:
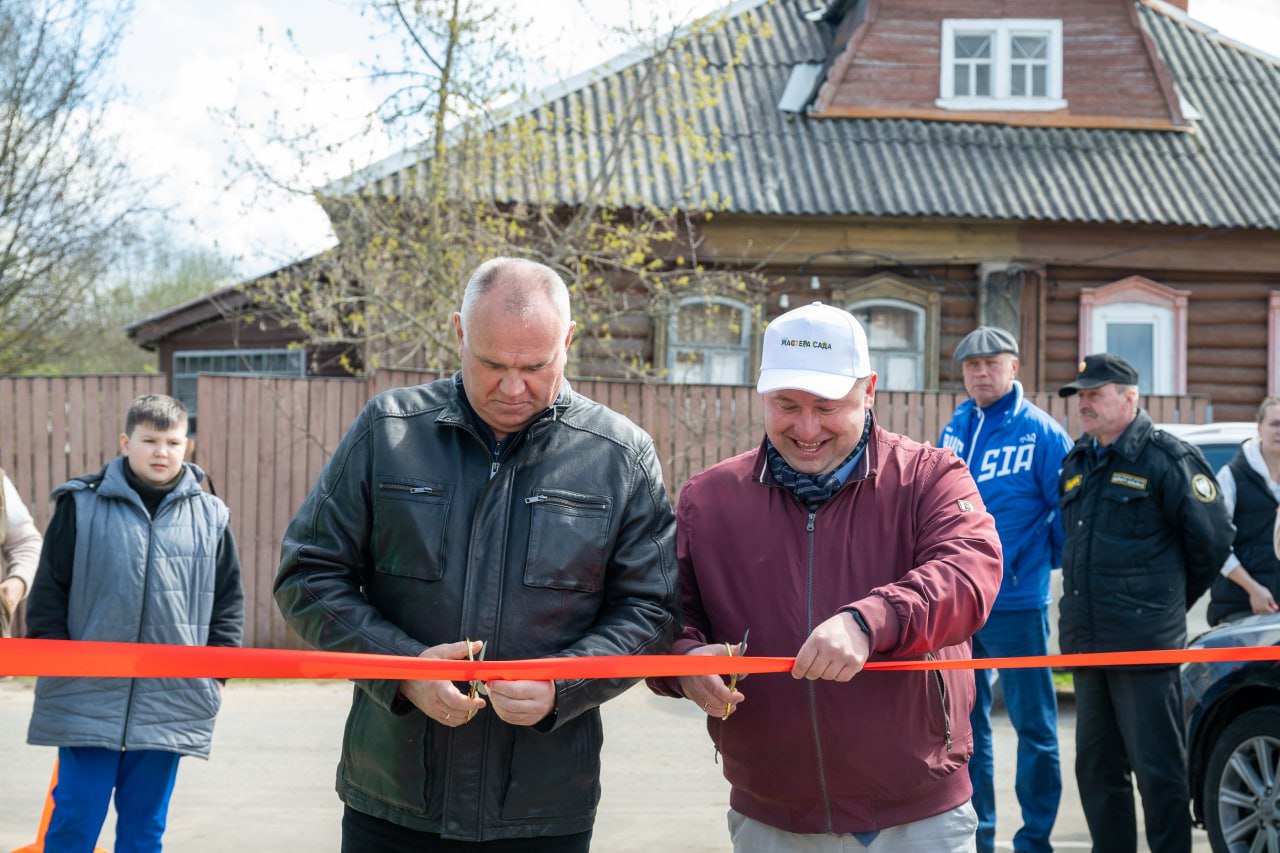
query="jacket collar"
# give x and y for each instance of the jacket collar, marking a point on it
(1135, 436)
(1019, 403)
(457, 410)
(865, 466)
(114, 484)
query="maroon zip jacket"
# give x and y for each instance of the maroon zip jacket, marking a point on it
(908, 542)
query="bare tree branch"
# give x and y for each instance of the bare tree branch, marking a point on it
(66, 197)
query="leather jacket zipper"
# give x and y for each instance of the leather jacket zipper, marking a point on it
(560, 500)
(434, 491)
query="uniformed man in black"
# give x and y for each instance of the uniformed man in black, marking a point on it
(1146, 533)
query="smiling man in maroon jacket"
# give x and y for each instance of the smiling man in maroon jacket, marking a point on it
(836, 542)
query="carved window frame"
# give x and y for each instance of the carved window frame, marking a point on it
(888, 289)
(669, 343)
(1142, 299)
(1273, 344)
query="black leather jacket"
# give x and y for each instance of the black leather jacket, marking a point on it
(407, 541)
(1146, 534)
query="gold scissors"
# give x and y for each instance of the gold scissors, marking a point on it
(732, 651)
(475, 684)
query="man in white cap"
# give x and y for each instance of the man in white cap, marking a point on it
(1015, 450)
(836, 542)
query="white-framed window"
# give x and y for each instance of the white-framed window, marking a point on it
(1141, 334)
(1145, 323)
(896, 338)
(1001, 64)
(709, 341)
(189, 364)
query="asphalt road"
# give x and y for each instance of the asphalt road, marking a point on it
(269, 783)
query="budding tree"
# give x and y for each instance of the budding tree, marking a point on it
(603, 181)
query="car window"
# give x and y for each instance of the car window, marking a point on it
(1218, 453)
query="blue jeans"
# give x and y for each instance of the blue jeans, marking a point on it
(143, 782)
(1033, 709)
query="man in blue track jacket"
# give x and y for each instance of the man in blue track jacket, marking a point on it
(1014, 450)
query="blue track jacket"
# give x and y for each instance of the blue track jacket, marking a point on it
(1014, 450)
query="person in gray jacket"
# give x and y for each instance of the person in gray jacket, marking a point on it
(20, 543)
(497, 507)
(138, 553)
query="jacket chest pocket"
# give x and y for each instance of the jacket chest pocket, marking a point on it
(1127, 514)
(409, 519)
(567, 536)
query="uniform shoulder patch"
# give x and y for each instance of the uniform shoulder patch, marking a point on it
(1204, 488)
(1071, 483)
(964, 505)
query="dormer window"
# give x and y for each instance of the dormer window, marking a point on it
(1001, 64)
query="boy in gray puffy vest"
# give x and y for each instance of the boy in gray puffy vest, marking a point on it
(138, 553)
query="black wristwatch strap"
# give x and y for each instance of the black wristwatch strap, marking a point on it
(859, 618)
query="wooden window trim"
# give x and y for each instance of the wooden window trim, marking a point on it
(893, 288)
(667, 342)
(1139, 289)
(1273, 344)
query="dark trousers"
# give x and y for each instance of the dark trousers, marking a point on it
(1129, 723)
(362, 833)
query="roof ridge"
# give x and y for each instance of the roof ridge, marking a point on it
(1176, 14)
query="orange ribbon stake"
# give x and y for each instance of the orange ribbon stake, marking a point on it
(140, 660)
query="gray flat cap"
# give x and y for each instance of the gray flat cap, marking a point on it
(983, 341)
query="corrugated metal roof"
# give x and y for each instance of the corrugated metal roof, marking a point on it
(1224, 174)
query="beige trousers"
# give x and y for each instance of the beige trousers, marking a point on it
(949, 832)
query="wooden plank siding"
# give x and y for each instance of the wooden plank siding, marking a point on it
(1226, 343)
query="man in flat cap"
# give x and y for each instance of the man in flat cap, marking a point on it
(1146, 532)
(1014, 450)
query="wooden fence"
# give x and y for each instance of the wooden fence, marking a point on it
(264, 440)
(58, 427)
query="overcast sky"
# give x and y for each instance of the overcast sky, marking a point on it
(187, 65)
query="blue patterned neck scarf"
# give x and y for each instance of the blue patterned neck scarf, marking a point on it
(813, 490)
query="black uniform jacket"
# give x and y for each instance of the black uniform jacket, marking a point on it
(1146, 534)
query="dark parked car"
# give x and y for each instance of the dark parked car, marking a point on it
(1233, 739)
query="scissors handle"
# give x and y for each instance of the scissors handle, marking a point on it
(475, 683)
(733, 678)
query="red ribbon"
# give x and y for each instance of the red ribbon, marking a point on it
(140, 660)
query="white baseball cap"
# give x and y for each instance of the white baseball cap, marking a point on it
(816, 348)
